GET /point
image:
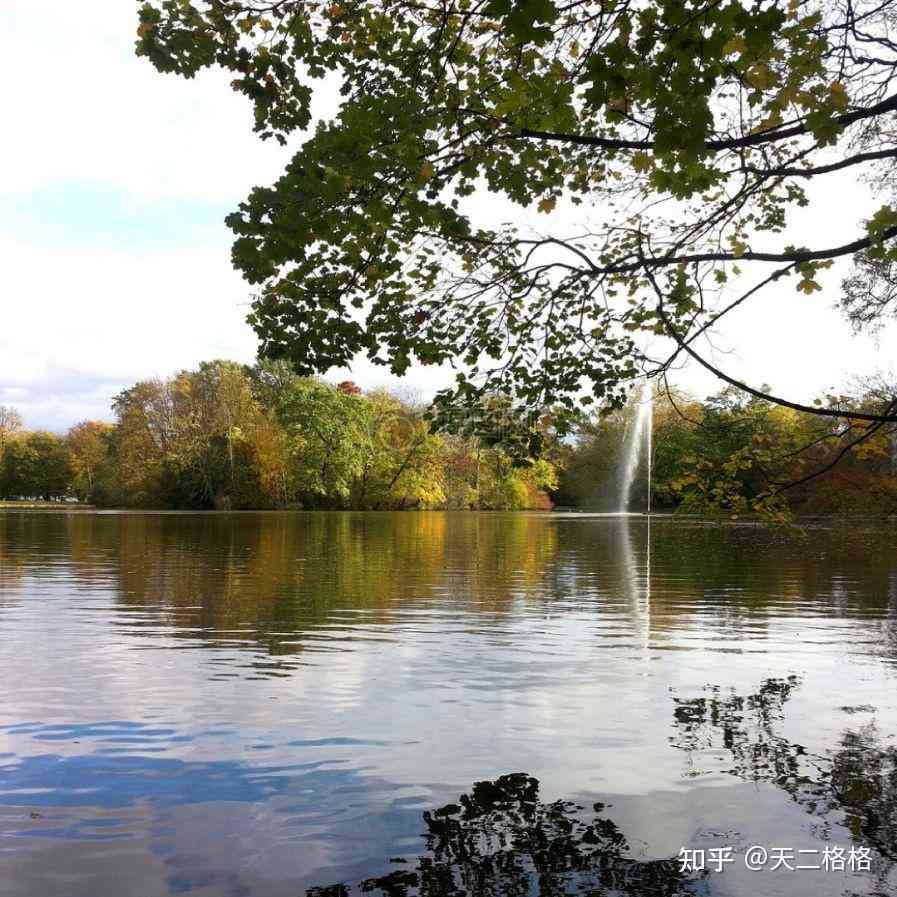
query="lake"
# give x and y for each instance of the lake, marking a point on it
(445, 703)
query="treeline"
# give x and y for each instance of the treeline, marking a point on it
(736, 453)
(228, 436)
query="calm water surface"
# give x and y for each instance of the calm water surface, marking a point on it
(441, 704)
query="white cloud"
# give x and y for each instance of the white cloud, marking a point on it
(85, 107)
(76, 327)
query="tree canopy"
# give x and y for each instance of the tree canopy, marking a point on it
(228, 436)
(737, 454)
(686, 131)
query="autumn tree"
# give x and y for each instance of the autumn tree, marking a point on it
(89, 447)
(734, 453)
(10, 425)
(403, 467)
(146, 441)
(214, 408)
(200, 439)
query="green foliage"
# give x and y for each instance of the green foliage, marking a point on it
(373, 451)
(331, 440)
(35, 465)
(739, 455)
(690, 128)
(227, 436)
(737, 449)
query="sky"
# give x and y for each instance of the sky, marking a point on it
(116, 262)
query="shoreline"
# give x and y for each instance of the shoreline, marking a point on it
(560, 512)
(46, 506)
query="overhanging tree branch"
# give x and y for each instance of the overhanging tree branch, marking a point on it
(870, 431)
(888, 417)
(791, 257)
(750, 140)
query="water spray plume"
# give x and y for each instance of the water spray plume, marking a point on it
(638, 438)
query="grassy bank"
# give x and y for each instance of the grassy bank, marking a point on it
(50, 505)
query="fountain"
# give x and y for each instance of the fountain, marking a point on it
(638, 439)
(638, 435)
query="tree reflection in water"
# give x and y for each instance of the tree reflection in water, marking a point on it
(858, 779)
(501, 841)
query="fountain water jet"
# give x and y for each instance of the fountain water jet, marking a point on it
(637, 435)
